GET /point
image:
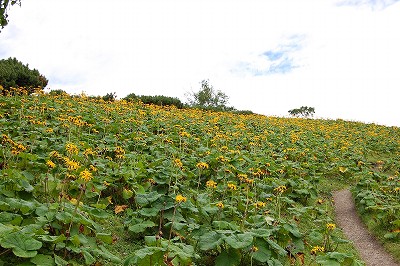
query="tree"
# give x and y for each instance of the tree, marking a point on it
(303, 111)
(208, 98)
(14, 74)
(4, 4)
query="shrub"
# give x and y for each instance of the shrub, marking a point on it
(131, 97)
(14, 74)
(157, 100)
(57, 93)
(110, 97)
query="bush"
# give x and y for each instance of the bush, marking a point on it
(131, 97)
(110, 97)
(14, 74)
(58, 93)
(157, 100)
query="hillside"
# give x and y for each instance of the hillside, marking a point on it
(85, 181)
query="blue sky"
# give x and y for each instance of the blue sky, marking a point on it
(339, 56)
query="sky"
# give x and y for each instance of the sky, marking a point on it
(339, 56)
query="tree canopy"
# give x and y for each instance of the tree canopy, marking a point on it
(4, 5)
(303, 111)
(208, 97)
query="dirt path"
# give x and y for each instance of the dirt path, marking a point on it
(347, 218)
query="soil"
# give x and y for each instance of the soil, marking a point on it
(370, 250)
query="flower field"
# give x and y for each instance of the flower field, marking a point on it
(190, 187)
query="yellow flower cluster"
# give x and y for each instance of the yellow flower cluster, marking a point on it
(317, 249)
(119, 152)
(280, 189)
(178, 163)
(202, 165)
(232, 186)
(330, 226)
(184, 134)
(220, 205)
(16, 148)
(71, 148)
(86, 175)
(50, 164)
(259, 204)
(211, 184)
(179, 198)
(71, 164)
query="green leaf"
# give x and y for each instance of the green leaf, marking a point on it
(43, 260)
(22, 245)
(141, 227)
(263, 253)
(228, 258)
(106, 238)
(144, 199)
(127, 193)
(327, 262)
(221, 225)
(274, 262)
(276, 247)
(89, 259)
(210, 240)
(292, 229)
(60, 261)
(53, 239)
(149, 212)
(103, 252)
(239, 241)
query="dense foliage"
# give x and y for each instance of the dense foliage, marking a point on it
(15, 75)
(192, 187)
(4, 6)
(157, 100)
(208, 98)
(303, 111)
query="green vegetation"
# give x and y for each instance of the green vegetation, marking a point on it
(16, 78)
(208, 98)
(85, 181)
(157, 100)
(4, 6)
(303, 111)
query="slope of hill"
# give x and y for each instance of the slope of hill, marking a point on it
(86, 181)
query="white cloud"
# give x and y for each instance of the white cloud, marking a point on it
(343, 60)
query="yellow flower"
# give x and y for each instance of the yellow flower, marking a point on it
(211, 184)
(280, 189)
(202, 165)
(86, 175)
(242, 177)
(120, 208)
(260, 204)
(220, 205)
(316, 249)
(330, 226)
(178, 163)
(50, 164)
(71, 148)
(184, 134)
(232, 186)
(179, 198)
(88, 152)
(93, 168)
(71, 164)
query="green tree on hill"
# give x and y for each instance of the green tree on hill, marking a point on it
(303, 111)
(14, 74)
(208, 98)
